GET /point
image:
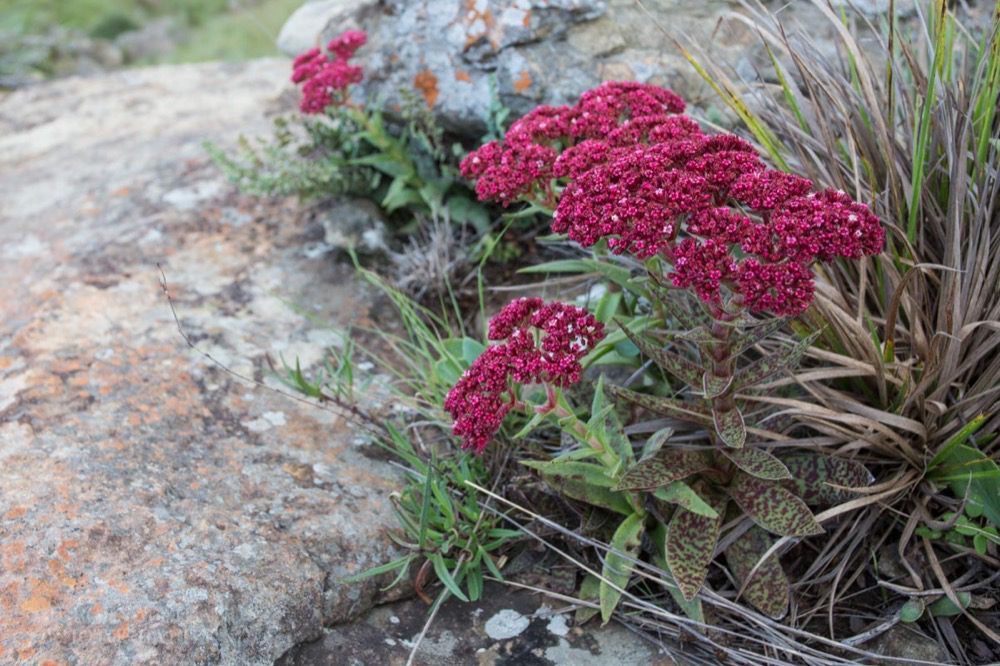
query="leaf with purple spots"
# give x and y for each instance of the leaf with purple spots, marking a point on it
(766, 367)
(758, 462)
(678, 409)
(772, 507)
(691, 541)
(767, 589)
(813, 474)
(687, 371)
(730, 426)
(663, 468)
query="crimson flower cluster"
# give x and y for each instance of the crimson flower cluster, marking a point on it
(540, 343)
(326, 74)
(636, 173)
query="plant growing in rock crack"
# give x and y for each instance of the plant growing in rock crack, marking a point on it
(700, 215)
(349, 148)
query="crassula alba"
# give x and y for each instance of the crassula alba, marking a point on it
(623, 171)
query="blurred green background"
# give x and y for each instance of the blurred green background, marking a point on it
(45, 38)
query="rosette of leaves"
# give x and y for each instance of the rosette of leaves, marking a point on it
(681, 495)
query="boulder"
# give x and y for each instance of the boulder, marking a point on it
(538, 51)
(154, 508)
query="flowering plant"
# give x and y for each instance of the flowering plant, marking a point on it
(624, 172)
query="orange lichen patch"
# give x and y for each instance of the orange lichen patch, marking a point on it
(121, 192)
(16, 512)
(155, 562)
(118, 585)
(97, 609)
(26, 653)
(478, 25)
(527, 18)
(524, 82)
(65, 547)
(427, 84)
(5, 362)
(35, 604)
(462, 76)
(58, 570)
(121, 631)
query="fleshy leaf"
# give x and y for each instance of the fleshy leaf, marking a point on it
(767, 590)
(590, 590)
(582, 481)
(678, 409)
(656, 442)
(663, 468)
(690, 546)
(772, 507)
(683, 495)
(714, 385)
(690, 608)
(730, 426)
(768, 366)
(813, 472)
(617, 565)
(687, 371)
(748, 339)
(677, 311)
(758, 462)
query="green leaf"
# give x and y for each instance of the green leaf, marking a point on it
(585, 482)
(441, 569)
(617, 565)
(608, 306)
(668, 299)
(812, 474)
(471, 349)
(758, 462)
(911, 611)
(663, 468)
(690, 546)
(683, 495)
(767, 367)
(772, 507)
(656, 442)
(970, 473)
(375, 571)
(767, 589)
(678, 409)
(730, 427)
(945, 607)
(958, 438)
(590, 590)
(687, 371)
(617, 274)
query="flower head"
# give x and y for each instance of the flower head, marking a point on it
(326, 75)
(539, 343)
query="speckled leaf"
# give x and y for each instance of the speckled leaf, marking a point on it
(767, 367)
(690, 545)
(767, 589)
(690, 608)
(664, 467)
(617, 565)
(700, 336)
(678, 409)
(730, 426)
(668, 300)
(758, 462)
(713, 385)
(812, 474)
(772, 507)
(687, 371)
(749, 338)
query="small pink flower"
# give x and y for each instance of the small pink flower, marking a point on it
(325, 79)
(541, 342)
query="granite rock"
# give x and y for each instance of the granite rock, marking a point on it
(155, 509)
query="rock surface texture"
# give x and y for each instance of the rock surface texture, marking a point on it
(539, 51)
(153, 508)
